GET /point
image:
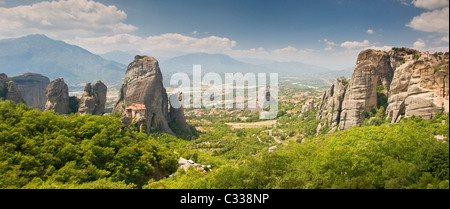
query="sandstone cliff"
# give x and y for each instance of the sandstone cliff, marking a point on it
(373, 69)
(143, 85)
(403, 81)
(94, 99)
(32, 87)
(420, 87)
(9, 90)
(330, 106)
(57, 94)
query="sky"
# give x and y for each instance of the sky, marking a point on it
(327, 33)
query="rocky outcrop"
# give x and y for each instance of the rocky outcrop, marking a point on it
(177, 114)
(373, 69)
(57, 94)
(309, 104)
(93, 100)
(9, 90)
(143, 85)
(330, 106)
(13, 93)
(403, 81)
(32, 86)
(419, 88)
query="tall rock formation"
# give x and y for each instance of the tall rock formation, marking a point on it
(143, 85)
(3, 85)
(94, 99)
(9, 90)
(57, 94)
(420, 87)
(403, 81)
(177, 114)
(13, 93)
(373, 69)
(330, 106)
(32, 86)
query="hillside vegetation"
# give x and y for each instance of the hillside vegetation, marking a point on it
(47, 150)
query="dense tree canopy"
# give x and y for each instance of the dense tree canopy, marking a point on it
(47, 150)
(391, 156)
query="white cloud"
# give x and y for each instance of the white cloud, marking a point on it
(419, 44)
(64, 18)
(381, 48)
(438, 49)
(355, 44)
(370, 32)
(434, 21)
(170, 42)
(404, 2)
(329, 44)
(328, 48)
(101, 28)
(430, 4)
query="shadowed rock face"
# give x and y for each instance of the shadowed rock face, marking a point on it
(177, 114)
(94, 99)
(143, 85)
(57, 94)
(413, 83)
(13, 93)
(330, 106)
(32, 86)
(9, 90)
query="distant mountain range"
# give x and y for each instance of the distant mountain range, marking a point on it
(54, 59)
(220, 63)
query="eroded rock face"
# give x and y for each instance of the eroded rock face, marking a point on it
(404, 81)
(9, 90)
(13, 93)
(419, 89)
(57, 94)
(32, 86)
(143, 85)
(330, 106)
(94, 99)
(177, 114)
(373, 69)
(3, 88)
(308, 105)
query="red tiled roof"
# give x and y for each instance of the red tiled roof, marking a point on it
(136, 107)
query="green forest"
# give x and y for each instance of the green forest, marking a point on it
(45, 150)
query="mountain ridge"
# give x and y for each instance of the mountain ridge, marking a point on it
(38, 53)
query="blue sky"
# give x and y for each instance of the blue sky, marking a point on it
(327, 33)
